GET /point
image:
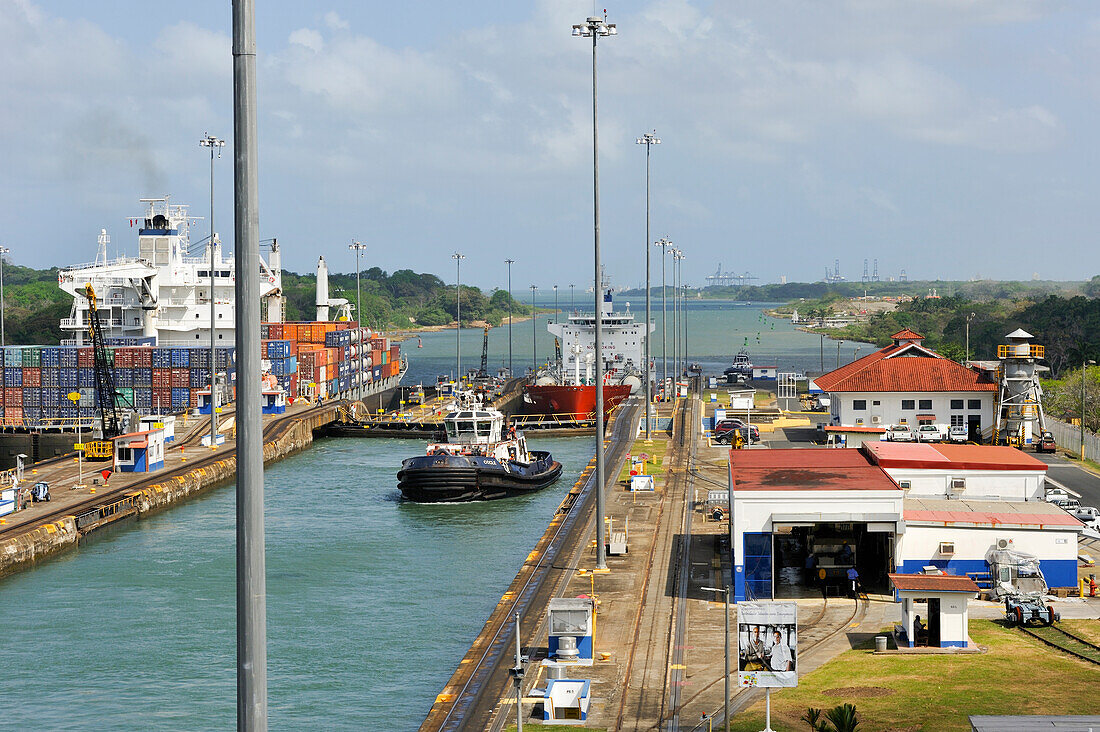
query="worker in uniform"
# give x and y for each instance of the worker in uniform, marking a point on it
(780, 658)
(738, 440)
(755, 652)
(821, 574)
(853, 580)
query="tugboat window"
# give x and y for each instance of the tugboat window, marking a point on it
(483, 429)
(466, 427)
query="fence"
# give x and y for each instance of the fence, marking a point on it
(1068, 437)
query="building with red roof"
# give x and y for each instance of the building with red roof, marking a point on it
(945, 470)
(909, 383)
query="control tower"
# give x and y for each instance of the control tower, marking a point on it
(1019, 414)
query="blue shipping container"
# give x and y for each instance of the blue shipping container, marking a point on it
(51, 357)
(51, 398)
(143, 398)
(143, 376)
(124, 377)
(67, 378)
(200, 378)
(50, 377)
(162, 358)
(181, 398)
(32, 397)
(85, 377)
(68, 357)
(13, 376)
(181, 358)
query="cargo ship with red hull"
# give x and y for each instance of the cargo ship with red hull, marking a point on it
(566, 390)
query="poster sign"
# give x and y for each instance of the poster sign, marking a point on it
(767, 644)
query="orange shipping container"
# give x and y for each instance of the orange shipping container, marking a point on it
(290, 331)
(317, 332)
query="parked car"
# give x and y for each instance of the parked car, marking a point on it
(929, 433)
(749, 433)
(899, 433)
(1086, 514)
(958, 433)
(1054, 495)
(1069, 505)
(1045, 442)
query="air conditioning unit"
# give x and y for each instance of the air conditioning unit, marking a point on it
(958, 485)
(1003, 544)
(947, 548)
(905, 484)
(876, 419)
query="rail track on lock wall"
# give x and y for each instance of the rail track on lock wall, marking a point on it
(114, 503)
(472, 694)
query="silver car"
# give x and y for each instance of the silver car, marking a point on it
(958, 433)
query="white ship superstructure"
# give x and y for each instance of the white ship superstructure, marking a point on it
(623, 345)
(164, 292)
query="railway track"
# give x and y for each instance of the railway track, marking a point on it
(474, 690)
(106, 502)
(1065, 641)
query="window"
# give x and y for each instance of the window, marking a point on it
(956, 403)
(974, 404)
(904, 484)
(908, 404)
(569, 621)
(860, 405)
(125, 454)
(925, 403)
(876, 403)
(957, 420)
(859, 422)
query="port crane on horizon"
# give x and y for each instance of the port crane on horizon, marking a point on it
(728, 279)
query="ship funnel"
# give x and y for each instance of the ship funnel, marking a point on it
(322, 289)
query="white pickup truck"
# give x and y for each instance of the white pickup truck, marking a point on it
(931, 432)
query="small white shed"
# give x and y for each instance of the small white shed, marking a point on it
(947, 619)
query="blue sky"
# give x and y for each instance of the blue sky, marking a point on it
(949, 138)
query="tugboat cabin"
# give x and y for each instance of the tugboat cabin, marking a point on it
(481, 432)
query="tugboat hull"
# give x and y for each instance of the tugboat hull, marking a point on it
(456, 478)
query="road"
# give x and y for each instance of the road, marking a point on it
(1081, 484)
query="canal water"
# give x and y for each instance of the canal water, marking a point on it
(371, 601)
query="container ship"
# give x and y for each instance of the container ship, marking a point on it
(154, 312)
(567, 390)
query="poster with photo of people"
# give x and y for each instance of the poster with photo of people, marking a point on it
(767, 644)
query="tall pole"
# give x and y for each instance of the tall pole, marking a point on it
(510, 262)
(359, 310)
(534, 344)
(555, 303)
(251, 581)
(648, 139)
(517, 675)
(822, 353)
(3, 251)
(1083, 367)
(572, 301)
(214, 144)
(726, 704)
(458, 308)
(968, 319)
(664, 244)
(838, 344)
(596, 27)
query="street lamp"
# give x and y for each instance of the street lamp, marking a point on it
(838, 345)
(534, 345)
(510, 262)
(214, 144)
(572, 302)
(855, 356)
(458, 312)
(74, 397)
(726, 704)
(357, 248)
(3, 251)
(555, 303)
(678, 314)
(666, 247)
(968, 319)
(593, 28)
(649, 139)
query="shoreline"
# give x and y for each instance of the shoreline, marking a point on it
(405, 334)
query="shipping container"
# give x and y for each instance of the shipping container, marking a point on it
(181, 358)
(67, 378)
(32, 356)
(85, 377)
(162, 400)
(51, 357)
(143, 357)
(143, 376)
(199, 378)
(13, 376)
(68, 357)
(51, 377)
(162, 358)
(124, 377)
(162, 378)
(85, 357)
(32, 376)
(181, 399)
(180, 378)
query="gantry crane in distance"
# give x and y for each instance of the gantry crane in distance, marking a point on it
(106, 397)
(483, 372)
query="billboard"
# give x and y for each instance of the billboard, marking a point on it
(767, 644)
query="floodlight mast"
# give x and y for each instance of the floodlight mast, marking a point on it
(593, 28)
(648, 139)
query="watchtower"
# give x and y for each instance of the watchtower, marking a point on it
(1019, 414)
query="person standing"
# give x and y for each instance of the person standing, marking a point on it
(853, 580)
(780, 658)
(821, 574)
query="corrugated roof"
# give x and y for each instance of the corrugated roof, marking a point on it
(933, 582)
(907, 335)
(866, 430)
(904, 368)
(807, 469)
(987, 513)
(944, 456)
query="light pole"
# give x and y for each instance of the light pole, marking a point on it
(555, 303)
(593, 28)
(572, 302)
(214, 144)
(968, 319)
(517, 679)
(74, 397)
(666, 247)
(1084, 370)
(677, 315)
(534, 345)
(510, 262)
(358, 248)
(726, 703)
(855, 356)
(822, 353)
(649, 139)
(458, 311)
(3, 251)
(838, 344)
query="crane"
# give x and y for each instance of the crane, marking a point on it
(483, 372)
(106, 397)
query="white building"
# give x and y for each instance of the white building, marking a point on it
(164, 292)
(907, 383)
(794, 512)
(939, 470)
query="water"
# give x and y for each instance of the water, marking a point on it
(371, 602)
(716, 330)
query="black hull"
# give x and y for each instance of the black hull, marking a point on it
(458, 478)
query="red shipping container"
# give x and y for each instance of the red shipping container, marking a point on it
(85, 358)
(162, 400)
(275, 331)
(124, 358)
(32, 376)
(13, 396)
(195, 398)
(13, 416)
(162, 378)
(143, 357)
(180, 378)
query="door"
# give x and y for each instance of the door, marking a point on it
(974, 427)
(934, 622)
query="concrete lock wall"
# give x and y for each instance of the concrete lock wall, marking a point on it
(1007, 485)
(1056, 549)
(889, 409)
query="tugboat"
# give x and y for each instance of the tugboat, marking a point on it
(480, 461)
(741, 370)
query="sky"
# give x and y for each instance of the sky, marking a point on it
(949, 138)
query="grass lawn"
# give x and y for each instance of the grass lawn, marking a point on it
(1018, 675)
(656, 450)
(1087, 629)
